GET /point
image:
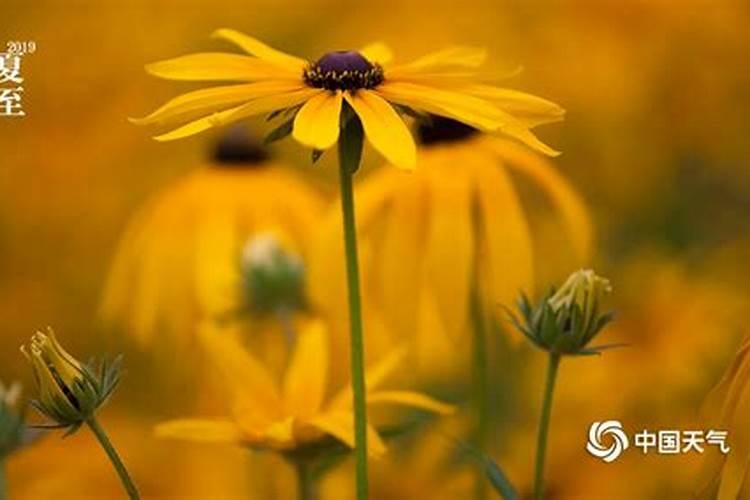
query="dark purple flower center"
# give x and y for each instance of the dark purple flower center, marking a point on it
(343, 70)
(237, 149)
(439, 129)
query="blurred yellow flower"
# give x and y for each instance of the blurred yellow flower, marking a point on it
(427, 467)
(180, 260)
(300, 410)
(442, 83)
(429, 238)
(728, 408)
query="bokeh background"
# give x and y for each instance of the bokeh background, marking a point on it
(655, 140)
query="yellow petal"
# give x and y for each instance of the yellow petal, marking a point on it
(446, 59)
(208, 431)
(255, 392)
(520, 131)
(153, 249)
(217, 66)
(561, 193)
(261, 50)
(215, 98)
(306, 377)
(727, 394)
(449, 259)
(254, 107)
(529, 109)
(384, 128)
(468, 109)
(117, 302)
(374, 376)
(505, 252)
(377, 52)
(217, 282)
(399, 257)
(412, 399)
(341, 426)
(317, 122)
(734, 474)
(280, 434)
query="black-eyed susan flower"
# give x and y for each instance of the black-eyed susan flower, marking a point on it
(310, 96)
(70, 393)
(184, 256)
(300, 409)
(429, 238)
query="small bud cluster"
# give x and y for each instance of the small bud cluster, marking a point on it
(274, 277)
(69, 391)
(566, 320)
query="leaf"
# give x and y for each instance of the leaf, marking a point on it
(491, 470)
(279, 132)
(499, 480)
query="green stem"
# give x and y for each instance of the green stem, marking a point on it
(350, 153)
(305, 481)
(3, 483)
(127, 482)
(480, 388)
(541, 444)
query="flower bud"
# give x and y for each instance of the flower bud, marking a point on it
(69, 392)
(11, 420)
(274, 277)
(568, 318)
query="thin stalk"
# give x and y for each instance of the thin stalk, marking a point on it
(480, 387)
(3, 483)
(305, 481)
(541, 443)
(127, 482)
(350, 153)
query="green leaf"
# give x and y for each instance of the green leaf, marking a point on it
(491, 470)
(279, 132)
(499, 480)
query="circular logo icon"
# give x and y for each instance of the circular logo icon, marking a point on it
(610, 431)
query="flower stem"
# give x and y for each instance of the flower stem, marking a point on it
(127, 482)
(3, 483)
(541, 444)
(480, 388)
(305, 481)
(350, 153)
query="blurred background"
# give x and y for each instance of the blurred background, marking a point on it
(655, 140)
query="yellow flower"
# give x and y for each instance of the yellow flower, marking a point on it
(429, 238)
(442, 83)
(180, 261)
(728, 409)
(300, 410)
